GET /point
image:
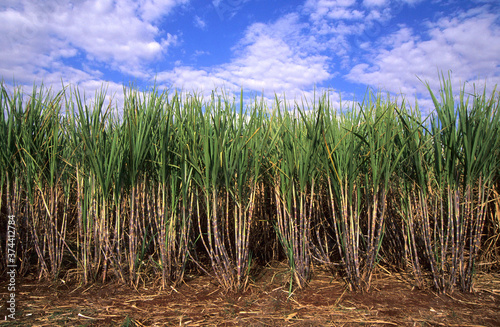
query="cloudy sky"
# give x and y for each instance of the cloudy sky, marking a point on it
(280, 46)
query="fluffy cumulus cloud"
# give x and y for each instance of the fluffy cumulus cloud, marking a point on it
(152, 10)
(37, 37)
(112, 34)
(271, 64)
(342, 26)
(467, 44)
(270, 58)
(333, 9)
(293, 53)
(332, 12)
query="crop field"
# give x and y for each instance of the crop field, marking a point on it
(182, 210)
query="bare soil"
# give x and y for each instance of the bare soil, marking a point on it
(326, 301)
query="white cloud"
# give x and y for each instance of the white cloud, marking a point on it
(335, 23)
(332, 9)
(375, 3)
(152, 10)
(36, 36)
(269, 58)
(467, 45)
(112, 33)
(270, 64)
(200, 23)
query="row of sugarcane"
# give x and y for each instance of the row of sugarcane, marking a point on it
(173, 182)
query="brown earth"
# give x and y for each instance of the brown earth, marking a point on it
(199, 302)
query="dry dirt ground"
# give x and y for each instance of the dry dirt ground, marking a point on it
(199, 302)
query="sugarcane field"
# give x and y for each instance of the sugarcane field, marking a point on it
(175, 209)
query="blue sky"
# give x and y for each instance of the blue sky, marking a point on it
(290, 47)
